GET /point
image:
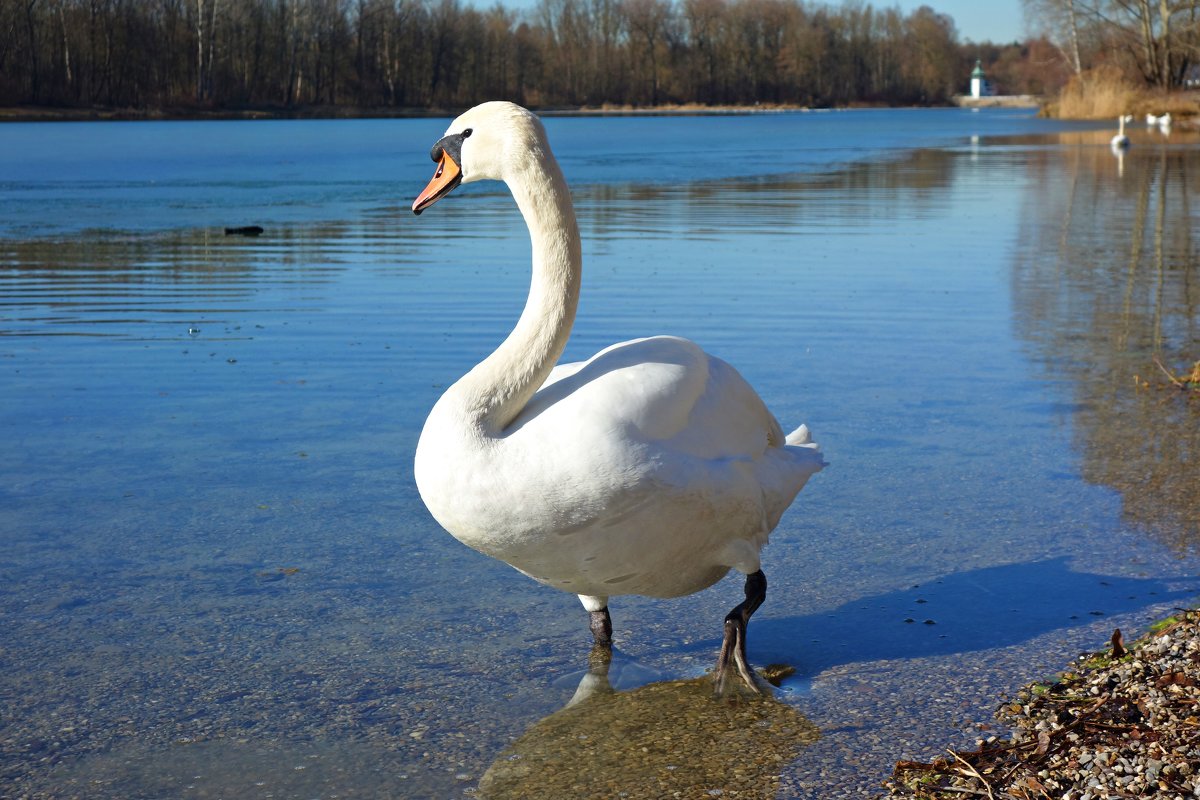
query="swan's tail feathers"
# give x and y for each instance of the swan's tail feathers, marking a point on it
(811, 454)
(802, 437)
(790, 468)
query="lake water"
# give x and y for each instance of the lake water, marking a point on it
(217, 579)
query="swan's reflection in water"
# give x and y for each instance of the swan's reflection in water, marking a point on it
(665, 739)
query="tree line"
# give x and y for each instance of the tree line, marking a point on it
(404, 54)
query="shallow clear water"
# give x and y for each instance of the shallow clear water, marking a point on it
(217, 577)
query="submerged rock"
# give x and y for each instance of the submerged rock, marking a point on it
(668, 739)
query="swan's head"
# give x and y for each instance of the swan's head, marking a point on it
(489, 142)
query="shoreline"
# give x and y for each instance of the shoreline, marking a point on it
(1001, 101)
(1186, 103)
(1119, 723)
(55, 114)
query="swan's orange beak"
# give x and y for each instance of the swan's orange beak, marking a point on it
(445, 178)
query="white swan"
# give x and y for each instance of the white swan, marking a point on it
(652, 468)
(1120, 141)
(1163, 121)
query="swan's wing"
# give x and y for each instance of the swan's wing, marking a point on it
(663, 390)
(728, 418)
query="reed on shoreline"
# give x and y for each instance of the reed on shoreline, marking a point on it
(1105, 93)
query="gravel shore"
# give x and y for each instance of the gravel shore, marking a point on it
(1121, 723)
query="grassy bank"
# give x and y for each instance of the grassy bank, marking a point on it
(1105, 93)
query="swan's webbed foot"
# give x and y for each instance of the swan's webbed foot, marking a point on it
(733, 649)
(601, 625)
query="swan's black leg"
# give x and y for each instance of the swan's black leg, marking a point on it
(601, 625)
(733, 648)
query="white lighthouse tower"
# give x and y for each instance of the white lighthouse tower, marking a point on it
(979, 84)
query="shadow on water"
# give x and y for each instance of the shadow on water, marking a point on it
(1106, 283)
(960, 613)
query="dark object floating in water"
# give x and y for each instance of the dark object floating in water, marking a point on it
(244, 230)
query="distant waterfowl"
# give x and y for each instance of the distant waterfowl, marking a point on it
(652, 468)
(1120, 141)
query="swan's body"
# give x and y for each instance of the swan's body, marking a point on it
(651, 468)
(1120, 141)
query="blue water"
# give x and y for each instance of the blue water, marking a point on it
(217, 578)
(152, 176)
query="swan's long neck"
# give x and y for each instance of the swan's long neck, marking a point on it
(494, 392)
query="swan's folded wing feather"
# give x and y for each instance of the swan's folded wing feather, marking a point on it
(729, 419)
(664, 390)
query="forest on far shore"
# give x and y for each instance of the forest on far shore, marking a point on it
(212, 55)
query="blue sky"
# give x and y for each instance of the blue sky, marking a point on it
(977, 20)
(1001, 21)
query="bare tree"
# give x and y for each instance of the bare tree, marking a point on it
(206, 45)
(1159, 38)
(648, 22)
(1058, 22)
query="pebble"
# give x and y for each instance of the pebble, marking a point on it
(1106, 728)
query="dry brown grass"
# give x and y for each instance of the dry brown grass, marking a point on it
(1101, 93)
(1106, 93)
(1178, 104)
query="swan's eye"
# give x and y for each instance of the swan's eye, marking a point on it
(467, 132)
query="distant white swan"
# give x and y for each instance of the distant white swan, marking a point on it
(1120, 141)
(1162, 121)
(652, 468)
